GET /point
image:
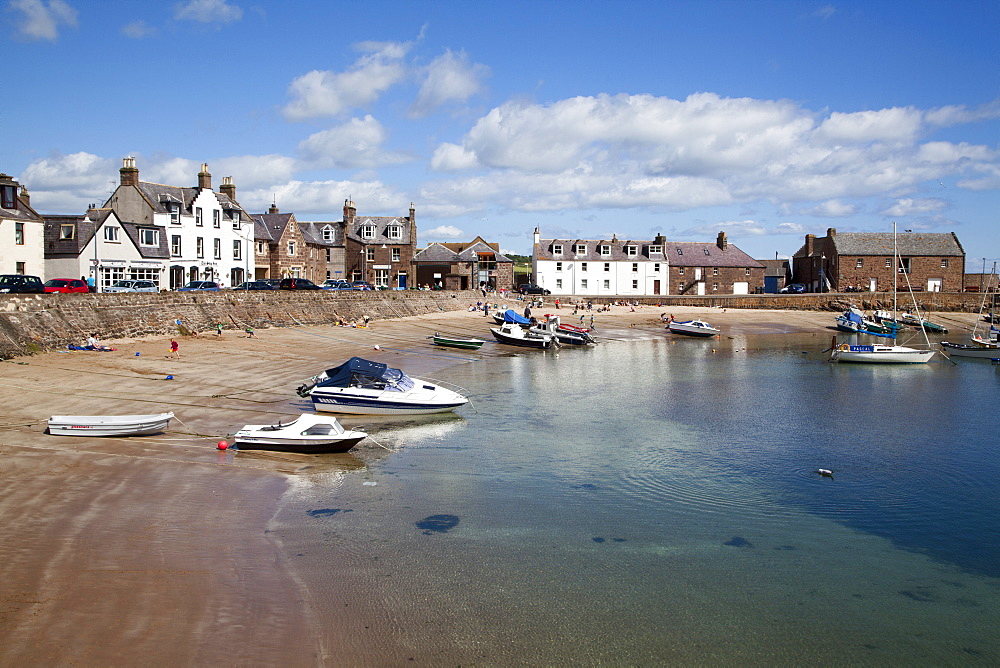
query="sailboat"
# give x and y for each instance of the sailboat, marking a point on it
(985, 347)
(885, 354)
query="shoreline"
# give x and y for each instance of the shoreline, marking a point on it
(121, 548)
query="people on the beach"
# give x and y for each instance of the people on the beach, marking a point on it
(175, 348)
(93, 343)
(218, 329)
(250, 334)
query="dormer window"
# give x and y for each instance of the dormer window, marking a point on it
(581, 249)
(175, 213)
(111, 233)
(8, 197)
(67, 231)
(706, 251)
(680, 251)
(394, 232)
(149, 237)
(656, 249)
(557, 249)
(328, 233)
(605, 250)
(631, 250)
(367, 231)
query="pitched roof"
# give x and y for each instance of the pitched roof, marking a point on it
(459, 252)
(316, 233)
(676, 253)
(87, 225)
(382, 225)
(160, 197)
(907, 243)
(270, 226)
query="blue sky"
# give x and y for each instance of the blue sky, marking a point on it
(768, 120)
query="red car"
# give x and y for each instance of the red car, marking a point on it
(65, 285)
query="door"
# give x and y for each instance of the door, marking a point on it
(872, 284)
(741, 288)
(699, 284)
(656, 287)
(402, 280)
(934, 284)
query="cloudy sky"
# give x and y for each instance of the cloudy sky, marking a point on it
(766, 119)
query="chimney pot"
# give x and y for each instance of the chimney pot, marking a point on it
(204, 178)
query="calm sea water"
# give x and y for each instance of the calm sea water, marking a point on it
(656, 501)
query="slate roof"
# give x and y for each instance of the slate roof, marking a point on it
(382, 224)
(313, 233)
(777, 267)
(21, 211)
(458, 252)
(270, 226)
(160, 196)
(675, 253)
(87, 225)
(911, 244)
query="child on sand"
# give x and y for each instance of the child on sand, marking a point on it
(174, 348)
(250, 334)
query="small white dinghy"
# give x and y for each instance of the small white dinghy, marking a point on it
(308, 433)
(108, 425)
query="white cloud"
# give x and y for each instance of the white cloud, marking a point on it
(357, 143)
(137, 29)
(451, 157)
(915, 207)
(68, 183)
(324, 200)
(832, 208)
(324, 93)
(450, 78)
(39, 20)
(443, 232)
(207, 11)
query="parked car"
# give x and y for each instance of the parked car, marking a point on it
(65, 285)
(273, 282)
(255, 285)
(532, 289)
(336, 284)
(21, 283)
(200, 286)
(363, 285)
(793, 288)
(297, 284)
(132, 286)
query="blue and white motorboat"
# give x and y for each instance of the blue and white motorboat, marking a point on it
(362, 387)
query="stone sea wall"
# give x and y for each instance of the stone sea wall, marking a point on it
(36, 323)
(965, 302)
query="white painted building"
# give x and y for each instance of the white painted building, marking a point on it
(21, 232)
(207, 234)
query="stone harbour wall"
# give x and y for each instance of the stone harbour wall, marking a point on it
(36, 323)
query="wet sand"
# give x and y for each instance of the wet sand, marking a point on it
(156, 549)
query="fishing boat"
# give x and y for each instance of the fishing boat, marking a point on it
(108, 425)
(514, 335)
(308, 433)
(573, 336)
(456, 342)
(914, 321)
(692, 328)
(362, 387)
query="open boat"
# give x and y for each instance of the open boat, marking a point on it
(308, 433)
(108, 425)
(362, 387)
(514, 335)
(971, 350)
(456, 342)
(564, 334)
(692, 328)
(983, 347)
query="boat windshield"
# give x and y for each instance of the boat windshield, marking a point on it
(358, 372)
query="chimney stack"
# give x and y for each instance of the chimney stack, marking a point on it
(831, 231)
(722, 242)
(349, 212)
(228, 188)
(810, 244)
(204, 178)
(24, 196)
(129, 173)
(659, 240)
(273, 208)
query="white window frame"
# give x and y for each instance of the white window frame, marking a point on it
(557, 249)
(581, 249)
(148, 237)
(656, 249)
(175, 213)
(395, 255)
(111, 234)
(631, 251)
(583, 284)
(291, 248)
(559, 284)
(237, 249)
(607, 284)
(329, 234)
(175, 245)
(67, 231)
(199, 247)
(367, 231)
(199, 219)
(216, 218)
(605, 250)
(217, 248)
(394, 232)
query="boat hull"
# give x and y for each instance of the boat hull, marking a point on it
(304, 446)
(360, 403)
(960, 350)
(881, 355)
(108, 425)
(466, 344)
(688, 329)
(541, 342)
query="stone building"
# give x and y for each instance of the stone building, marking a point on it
(286, 248)
(207, 232)
(21, 232)
(379, 249)
(863, 261)
(703, 268)
(464, 266)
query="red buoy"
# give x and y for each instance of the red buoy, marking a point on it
(223, 445)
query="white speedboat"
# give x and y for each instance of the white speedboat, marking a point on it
(878, 354)
(563, 333)
(963, 350)
(108, 425)
(514, 335)
(309, 433)
(692, 328)
(362, 387)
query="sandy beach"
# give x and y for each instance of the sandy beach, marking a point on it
(156, 549)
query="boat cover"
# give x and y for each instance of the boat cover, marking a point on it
(358, 372)
(510, 315)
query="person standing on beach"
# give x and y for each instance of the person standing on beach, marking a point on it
(250, 334)
(218, 329)
(175, 348)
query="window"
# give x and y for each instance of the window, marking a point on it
(111, 233)
(680, 251)
(216, 218)
(715, 286)
(237, 250)
(581, 249)
(329, 256)
(607, 285)
(558, 283)
(198, 218)
(748, 271)
(583, 266)
(175, 245)
(19, 236)
(8, 195)
(20, 268)
(394, 232)
(715, 271)
(656, 249)
(370, 254)
(860, 263)
(706, 251)
(656, 266)
(605, 250)
(888, 263)
(291, 248)
(395, 255)
(148, 237)
(607, 266)
(367, 231)
(67, 231)
(261, 247)
(904, 265)
(583, 284)
(680, 286)
(235, 215)
(680, 271)
(558, 266)
(199, 247)
(631, 251)
(557, 249)
(944, 263)
(217, 249)
(635, 285)
(328, 233)
(635, 267)
(175, 213)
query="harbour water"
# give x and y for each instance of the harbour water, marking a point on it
(657, 501)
